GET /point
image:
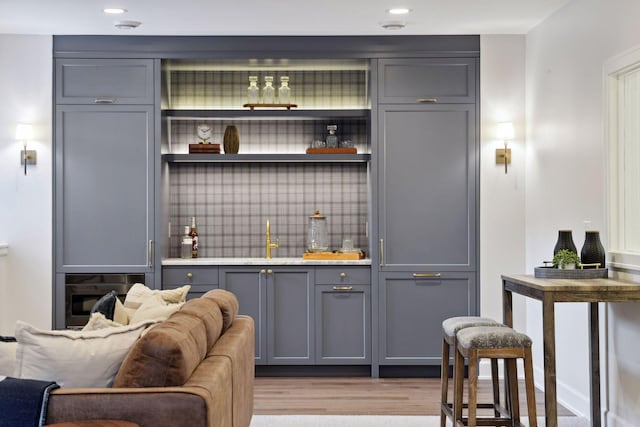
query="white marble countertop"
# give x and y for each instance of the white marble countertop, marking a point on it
(4, 249)
(261, 261)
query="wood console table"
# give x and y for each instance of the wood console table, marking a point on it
(550, 291)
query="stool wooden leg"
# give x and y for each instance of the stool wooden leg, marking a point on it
(458, 388)
(496, 387)
(512, 374)
(473, 387)
(444, 382)
(531, 396)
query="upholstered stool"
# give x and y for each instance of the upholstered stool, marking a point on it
(450, 328)
(493, 342)
(95, 423)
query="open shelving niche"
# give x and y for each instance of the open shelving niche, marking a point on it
(213, 91)
(272, 176)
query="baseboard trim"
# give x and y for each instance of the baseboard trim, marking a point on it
(613, 420)
(570, 398)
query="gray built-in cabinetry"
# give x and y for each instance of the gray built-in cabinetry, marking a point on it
(127, 108)
(304, 315)
(104, 180)
(427, 203)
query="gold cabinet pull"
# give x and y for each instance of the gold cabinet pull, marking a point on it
(426, 275)
(427, 100)
(263, 271)
(343, 275)
(269, 271)
(189, 275)
(150, 253)
(104, 101)
(381, 252)
(343, 288)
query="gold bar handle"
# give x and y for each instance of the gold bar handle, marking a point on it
(381, 252)
(593, 264)
(427, 100)
(150, 253)
(343, 288)
(426, 275)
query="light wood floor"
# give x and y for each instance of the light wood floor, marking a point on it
(361, 396)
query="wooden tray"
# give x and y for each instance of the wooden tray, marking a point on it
(556, 273)
(204, 148)
(332, 255)
(287, 106)
(343, 150)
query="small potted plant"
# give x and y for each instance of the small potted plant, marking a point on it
(565, 259)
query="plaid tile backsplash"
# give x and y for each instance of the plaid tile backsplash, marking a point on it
(231, 203)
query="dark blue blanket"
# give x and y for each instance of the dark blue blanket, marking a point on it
(23, 403)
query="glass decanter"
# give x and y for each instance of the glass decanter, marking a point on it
(284, 91)
(269, 92)
(253, 91)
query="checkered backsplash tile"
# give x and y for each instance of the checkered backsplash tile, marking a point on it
(191, 89)
(231, 203)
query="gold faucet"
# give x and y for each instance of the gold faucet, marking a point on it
(269, 244)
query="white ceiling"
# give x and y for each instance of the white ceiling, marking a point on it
(274, 17)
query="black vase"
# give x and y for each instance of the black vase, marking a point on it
(565, 241)
(592, 250)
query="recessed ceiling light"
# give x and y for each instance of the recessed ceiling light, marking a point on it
(126, 25)
(393, 25)
(399, 11)
(114, 10)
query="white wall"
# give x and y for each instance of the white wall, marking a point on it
(502, 213)
(25, 201)
(565, 183)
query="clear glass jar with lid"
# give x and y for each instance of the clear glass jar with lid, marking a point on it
(318, 239)
(253, 91)
(268, 92)
(284, 91)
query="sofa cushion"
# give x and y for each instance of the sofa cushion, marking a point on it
(73, 358)
(105, 305)
(228, 303)
(169, 352)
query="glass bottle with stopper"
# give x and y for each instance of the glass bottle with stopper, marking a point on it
(332, 139)
(284, 91)
(253, 91)
(268, 92)
(318, 237)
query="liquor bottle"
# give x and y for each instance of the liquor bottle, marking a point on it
(186, 244)
(194, 238)
(268, 92)
(284, 91)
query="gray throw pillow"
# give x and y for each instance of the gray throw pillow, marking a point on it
(105, 305)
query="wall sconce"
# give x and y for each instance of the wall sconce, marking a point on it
(505, 134)
(24, 132)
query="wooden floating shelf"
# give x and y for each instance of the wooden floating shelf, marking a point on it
(343, 150)
(266, 158)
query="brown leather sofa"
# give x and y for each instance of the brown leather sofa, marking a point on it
(195, 369)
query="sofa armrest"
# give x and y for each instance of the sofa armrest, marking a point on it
(192, 405)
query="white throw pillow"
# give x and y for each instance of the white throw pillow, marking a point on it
(74, 358)
(8, 358)
(154, 308)
(139, 293)
(99, 321)
(120, 314)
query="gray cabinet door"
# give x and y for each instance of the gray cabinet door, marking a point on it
(201, 278)
(426, 80)
(249, 286)
(104, 188)
(412, 311)
(104, 81)
(343, 324)
(290, 316)
(427, 187)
